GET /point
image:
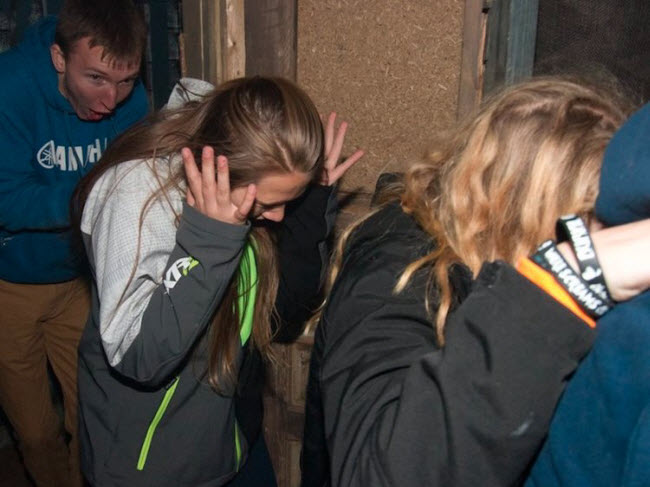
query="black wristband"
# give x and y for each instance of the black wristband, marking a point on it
(573, 229)
(549, 258)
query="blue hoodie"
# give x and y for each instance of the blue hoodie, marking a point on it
(45, 149)
(600, 434)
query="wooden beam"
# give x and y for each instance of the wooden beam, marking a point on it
(523, 35)
(233, 40)
(200, 41)
(510, 44)
(471, 70)
(214, 45)
(271, 37)
(226, 39)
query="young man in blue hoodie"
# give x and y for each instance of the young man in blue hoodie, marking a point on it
(66, 91)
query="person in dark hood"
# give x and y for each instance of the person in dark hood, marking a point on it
(600, 434)
(68, 89)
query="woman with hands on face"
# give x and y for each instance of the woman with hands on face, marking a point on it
(214, 196)
(205, 229)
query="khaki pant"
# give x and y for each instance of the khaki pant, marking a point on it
(41, 323)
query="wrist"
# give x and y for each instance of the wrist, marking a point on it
(623, 251)
(590, 298)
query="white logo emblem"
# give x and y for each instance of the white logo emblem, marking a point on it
(47, 155)
(51, 156)
(177, 270)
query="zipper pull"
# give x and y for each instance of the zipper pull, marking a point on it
(172, 382)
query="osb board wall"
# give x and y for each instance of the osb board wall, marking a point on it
(390, 68)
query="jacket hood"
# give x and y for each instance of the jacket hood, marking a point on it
(625, 178)
(35, 48)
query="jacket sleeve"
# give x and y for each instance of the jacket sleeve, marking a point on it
(303, 254)
(27, 202)
(399, 411)
(157, 292)
(314, 457)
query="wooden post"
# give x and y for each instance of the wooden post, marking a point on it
(471, 68)
(214, 46)
(233, 40)
(271, 37)
(226, 39)
(510, 47)
(200, 54)
(498, 47)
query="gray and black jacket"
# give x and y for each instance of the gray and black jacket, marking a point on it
(146, 417)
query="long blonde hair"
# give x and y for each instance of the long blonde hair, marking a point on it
(263, 126)
(494, 187)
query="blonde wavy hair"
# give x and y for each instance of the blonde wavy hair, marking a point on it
(493, 188)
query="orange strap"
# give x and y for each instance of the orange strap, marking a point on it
(547, 282)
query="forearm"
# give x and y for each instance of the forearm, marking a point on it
(302, 255)
(148, 327)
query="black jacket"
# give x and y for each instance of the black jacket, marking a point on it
(394, 409)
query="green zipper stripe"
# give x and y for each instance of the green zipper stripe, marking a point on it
(144, 451)
(247, 292)
(237, 447)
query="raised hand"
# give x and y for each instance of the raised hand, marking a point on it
(211, 195)
(332, 170)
